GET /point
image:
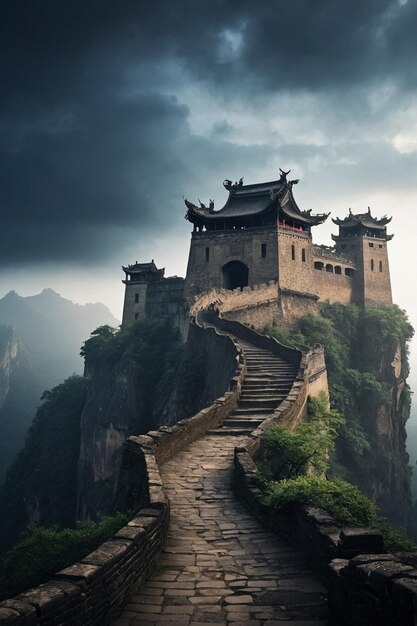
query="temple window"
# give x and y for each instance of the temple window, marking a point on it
(380, 266)
(337, 269)
(303, 255)
(293, 252)
(263, 250)
(136, 298)
(372, 265)
(371, 245)
(329, 268)
(136, 316)
(348, 271)
(207, 254)
(318, 265)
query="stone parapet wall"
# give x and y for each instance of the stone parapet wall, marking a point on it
(92, 591)
(311, 529)
(227, 300)
(374, 590)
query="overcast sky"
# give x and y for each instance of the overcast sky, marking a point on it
(112, 111)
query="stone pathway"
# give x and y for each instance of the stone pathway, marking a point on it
(220, 566)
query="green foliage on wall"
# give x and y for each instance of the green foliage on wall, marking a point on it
(359, 347)
(288, 453)
(41, 552)
(341, 499)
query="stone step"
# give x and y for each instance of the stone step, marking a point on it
(265, 359)
(252, 411)
(225, 432)
(270, 368)
(276, 397)
(268, 387)
(260, 403)
(242, 421)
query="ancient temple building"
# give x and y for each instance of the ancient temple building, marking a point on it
(261, 236)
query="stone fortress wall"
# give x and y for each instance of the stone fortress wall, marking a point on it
(210, 251)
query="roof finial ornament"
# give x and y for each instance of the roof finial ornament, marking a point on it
(241, 182)
(369, 210)
(350, 211)
(283, 177)
(211, 205)
(227, 183)
(293, 182)
(202, 205)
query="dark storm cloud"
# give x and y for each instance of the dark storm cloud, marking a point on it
(90, 138)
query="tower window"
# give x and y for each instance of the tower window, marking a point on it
(303, 255)
(207, 254)
(380, 266)
(136, 298)
(371, 245)
(263, 250)
(343, 246)
(136, 316)
(380, 245)
(372, 265)
(293, 252)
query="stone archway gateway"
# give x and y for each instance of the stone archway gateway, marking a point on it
(235, 274)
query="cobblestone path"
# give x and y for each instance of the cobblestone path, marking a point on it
(219, 565)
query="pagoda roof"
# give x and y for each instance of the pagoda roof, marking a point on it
(254, 200)
(363, 219)
(142, 268)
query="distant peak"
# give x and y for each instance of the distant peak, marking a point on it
(49, 292)
(11, 295)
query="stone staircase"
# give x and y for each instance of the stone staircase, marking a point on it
(267, 382)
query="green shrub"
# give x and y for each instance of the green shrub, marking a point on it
(341, 499)
(288, 453)
(41, 552)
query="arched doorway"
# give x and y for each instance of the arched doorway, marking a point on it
(235, 274)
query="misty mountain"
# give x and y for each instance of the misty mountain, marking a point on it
(40, 340)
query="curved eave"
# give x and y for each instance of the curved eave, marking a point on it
(365, 220)
(293, 211)
(196, 213)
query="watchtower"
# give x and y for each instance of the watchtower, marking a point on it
(365, 238)
(138, 278)
(259, 235)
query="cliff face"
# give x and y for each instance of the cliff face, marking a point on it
(116, 407)
(383, 473)
(40, 339)
(9, 348)
(19, 390)
(366, 355)
(140, 379)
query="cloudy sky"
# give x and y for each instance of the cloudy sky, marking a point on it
(112, 111)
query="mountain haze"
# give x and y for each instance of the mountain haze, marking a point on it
(40, 339)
